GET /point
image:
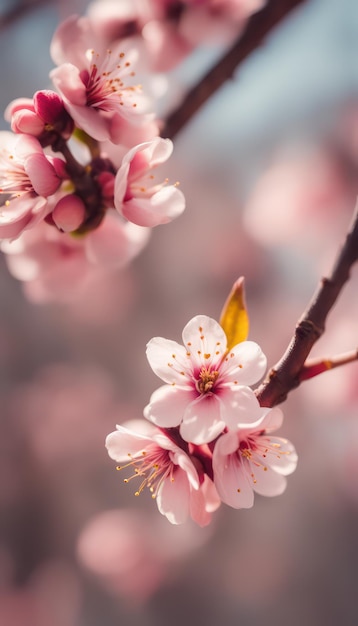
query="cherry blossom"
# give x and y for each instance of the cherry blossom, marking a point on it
(27, 178)
(137, 194)
(97, 85)
(207, 386)
(56, 266)
(43, 116)
(166, 469)
(250, 460)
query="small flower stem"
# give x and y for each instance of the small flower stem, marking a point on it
(290, 370)
(74, 168)
(258, 27)
(313, 367)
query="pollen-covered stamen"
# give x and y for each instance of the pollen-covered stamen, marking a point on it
(105, 87)
(260, 447)
(206, 380)
(154, 464)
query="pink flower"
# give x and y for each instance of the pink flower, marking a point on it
(137, 195)
(97, 85)
(56, 266)
(249, 460)
(163, 467)
(207, 385)
(27, 178)
(44, 116)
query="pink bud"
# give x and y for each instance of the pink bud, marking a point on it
(28, 122)
(50, 108)
(69, 213)
(48, 105)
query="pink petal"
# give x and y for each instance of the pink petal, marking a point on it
(167, 406)
(42, 175)
(70, 41)
(25, 121)
(67, 79)
(202, 421)
(114, 243)
(285, 462)
(19, 214)
(163, 207)
(173, 498)
(170, 362)
(267, 482)
(155, 152)
(124, 442)
(239, 406)
(198, 511)
(230, 477)
(17, 105)
(246, 366)
(120, 187)
(272, 420)
(204, 338)
(181, 458)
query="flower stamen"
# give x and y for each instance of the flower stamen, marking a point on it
(206, 381)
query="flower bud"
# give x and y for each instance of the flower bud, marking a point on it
(69, 213)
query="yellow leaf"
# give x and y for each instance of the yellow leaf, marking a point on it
(234, 318)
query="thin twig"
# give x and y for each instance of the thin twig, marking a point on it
(287, 373)
(258, 27)
(12, 14)
(313, 367)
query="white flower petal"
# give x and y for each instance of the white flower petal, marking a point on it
(173, 498)
(202, 421)
(230, 477)
(123, 443)
(272, 420)
(266, 482)
(162, 207)
(206, 341)
(240, 407)
(167, 405)
(284, 459)
(245, 363)
(169, 360)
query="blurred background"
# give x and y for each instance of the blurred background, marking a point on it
(269, 171)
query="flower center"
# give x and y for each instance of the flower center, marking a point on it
(104, 81)
(154, 464)
(206, 380)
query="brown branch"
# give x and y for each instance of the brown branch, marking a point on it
(287, 373)
(21, 8)
(258, 27)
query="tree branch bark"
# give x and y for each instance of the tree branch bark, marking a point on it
(258, 27)
(288, 372)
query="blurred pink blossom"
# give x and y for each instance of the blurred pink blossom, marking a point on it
(51, 596)
(56, 266)
(133, 554)
(303, 197)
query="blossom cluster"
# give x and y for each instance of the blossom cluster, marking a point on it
(205, 439)
(77, 170)
(169, 30)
